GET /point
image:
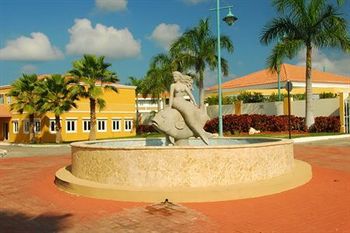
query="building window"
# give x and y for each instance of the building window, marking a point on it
(8, 99)
(115, 125)
(15, 126)
(71, 126)
(26, 126)
(101, 125)
(52, 126)
(2, 96)
(86, 125)
(127, 125)
(37, 126)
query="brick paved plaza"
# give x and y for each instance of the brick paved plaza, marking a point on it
(30, 202)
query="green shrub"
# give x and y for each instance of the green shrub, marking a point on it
(327, 95)
(248, 97)
(274, 97)
(226, 100)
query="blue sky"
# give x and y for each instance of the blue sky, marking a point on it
(45, 36)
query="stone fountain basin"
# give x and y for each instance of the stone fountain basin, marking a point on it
(148, 163)
(146, 170)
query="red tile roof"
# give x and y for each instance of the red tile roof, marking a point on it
(288, 72)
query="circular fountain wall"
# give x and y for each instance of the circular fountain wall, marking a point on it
(148, 166)
(147, 163)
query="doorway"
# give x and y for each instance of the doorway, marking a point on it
(5, 131)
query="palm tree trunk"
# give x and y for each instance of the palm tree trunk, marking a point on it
(31, 129)
(92, 134)
(309, 118)
(201, 89)
(58, 129)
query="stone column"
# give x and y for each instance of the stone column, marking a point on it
(238, 107)
(342, 97)
(285, 105)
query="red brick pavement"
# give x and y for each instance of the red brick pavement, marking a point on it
(30, 202)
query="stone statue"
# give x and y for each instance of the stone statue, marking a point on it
(181, 119)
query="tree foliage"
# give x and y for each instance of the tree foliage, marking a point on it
(94, 76)
(196, 49)
(305, 24)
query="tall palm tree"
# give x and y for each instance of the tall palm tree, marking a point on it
(159, 77)
(26, 99)
(92, 73)
(138, 84)
(196, 48)
(58, 95)
(305, 24)
(155, 84)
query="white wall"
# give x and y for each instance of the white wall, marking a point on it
(321, 107)
(268, 108)
(213, 110)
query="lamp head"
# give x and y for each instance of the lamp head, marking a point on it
(230, 18)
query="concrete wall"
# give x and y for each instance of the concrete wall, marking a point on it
(213, 110)
(269, 108)
(321, 107)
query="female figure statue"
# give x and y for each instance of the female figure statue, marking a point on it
(190, 112)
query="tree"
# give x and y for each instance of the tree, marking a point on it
(159, 77)
(26, 99)
(93, 74)
(196, 49)
(58, 95)
(138, 83)
(305, 24)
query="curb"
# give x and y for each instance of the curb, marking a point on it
(319, 138)
(37, 146)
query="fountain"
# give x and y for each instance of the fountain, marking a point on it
(188, 165)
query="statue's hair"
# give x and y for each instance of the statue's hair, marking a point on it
(185, 79)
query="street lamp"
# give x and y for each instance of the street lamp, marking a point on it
(229, 19)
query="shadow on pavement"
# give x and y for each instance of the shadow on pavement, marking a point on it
(11, 221)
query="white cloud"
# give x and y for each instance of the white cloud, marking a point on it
(320, 61)
(28, 69)
(111, 5)
(34, 48)
(101, 40)
(193, 2)
(165, 34)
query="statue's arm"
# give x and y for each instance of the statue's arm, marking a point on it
(171, 97)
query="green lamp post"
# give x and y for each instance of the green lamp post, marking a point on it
(229, 19)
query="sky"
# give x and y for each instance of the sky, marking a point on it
(46, 36)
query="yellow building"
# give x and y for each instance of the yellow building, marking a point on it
(115, 120)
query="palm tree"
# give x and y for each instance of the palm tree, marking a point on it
(58, 95)
(138, 83)
(159, 77)
(196, 49)
(23, 89)
(92, 72)
(305, 24)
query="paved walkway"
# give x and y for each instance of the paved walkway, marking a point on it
(30, 202)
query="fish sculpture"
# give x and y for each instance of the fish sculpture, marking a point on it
(170, 122)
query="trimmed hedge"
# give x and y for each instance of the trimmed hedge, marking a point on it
(141, 129)
(326, 124)
(242, 123)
